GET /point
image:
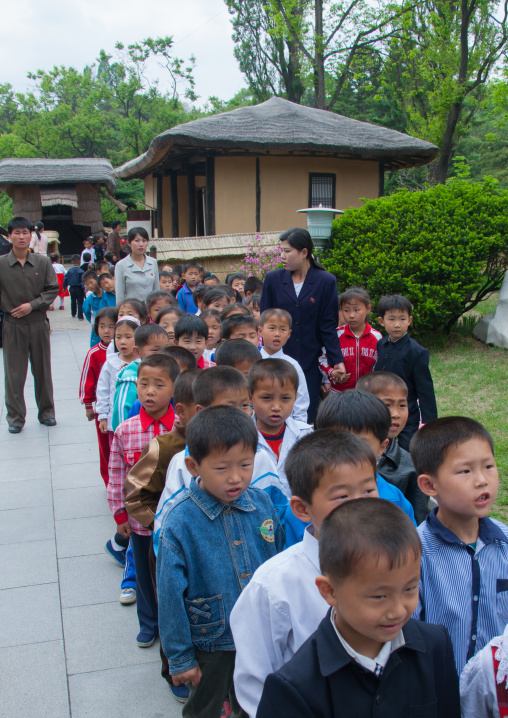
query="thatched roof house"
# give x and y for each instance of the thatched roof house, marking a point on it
(64, 194)
(251, 169)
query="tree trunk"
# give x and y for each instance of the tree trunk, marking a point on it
(445, 155)
(319, 64)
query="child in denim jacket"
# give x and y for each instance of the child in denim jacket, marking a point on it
(212, 540)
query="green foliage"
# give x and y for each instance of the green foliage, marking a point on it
(445, 248)
(5, 209)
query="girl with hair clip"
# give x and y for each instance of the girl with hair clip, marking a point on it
(137, 275)
(39, 241)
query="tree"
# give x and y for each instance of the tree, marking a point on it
(286, 46)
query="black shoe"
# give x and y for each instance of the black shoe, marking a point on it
(15, 429)
(49, 422)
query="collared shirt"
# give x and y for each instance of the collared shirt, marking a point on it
(131, 281)
(185, 299)
(129, 440)
(280, 608)
(463, 589)
(34, 282)
(374, 665)
(301, 406)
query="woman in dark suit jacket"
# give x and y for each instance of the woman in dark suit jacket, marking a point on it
(309, 293)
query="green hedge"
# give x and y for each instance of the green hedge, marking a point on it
(444, 248)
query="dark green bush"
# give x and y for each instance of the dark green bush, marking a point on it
(445, 248)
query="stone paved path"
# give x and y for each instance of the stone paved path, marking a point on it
(67, 647)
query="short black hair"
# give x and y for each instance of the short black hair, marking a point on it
(432, 442)
(237, 320)
(163, 362)
(235, 308)
(159, 294)
(183, 392)
(109, 312)
(391, 302)
(87, 256)
(253, 285)
(145, 331)
(75, 258)
(214, 381)
(206, 313)
(90, 274)
(213, 295)
(115, 223)
(252, 301)
(19, 223)
(274, 369)
(181, 355)
(189, 265)
(136, 304)
(101, 263)
(165, 274)
(274, 312)
(310, 458)
(358, 293)
(200, 292)
(355, 411)
(219, 428)
(228, 291)
(100, 277)
(377, 381)
(235, 275)
(363, 528)
(191, 324)
(234, 351)
(170, 309)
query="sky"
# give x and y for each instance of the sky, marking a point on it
(71, 33)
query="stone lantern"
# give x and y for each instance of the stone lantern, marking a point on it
(319, 223)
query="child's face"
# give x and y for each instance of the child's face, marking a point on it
(374, 602)
(341, 483)
(103, 270)
(211, 281)
(238, 285)
(213, 332)
(244, 331)
(244, 366)
(238, 398)
(155, 390)
(168, 322)
(395, 398)
(355, 313)
(176, 282)
(154, 346)
(127, 310)
(185, 412)
(91, 285)
(195, 343)
(396, 323)
(191, 277)
(87, 244)
(273, 403)
(466, 484)
(377, 446)
(219, 304)
(166, 284)
(256, 312)
(108, 284)
(225, 475)
(155, 308)
(106, 329)
(124, 339)
(275, 332)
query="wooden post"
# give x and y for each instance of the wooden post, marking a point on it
(381, 190)
(174, 204)
(191, 202)
(258, 197)
(210, 194)
(159, 206)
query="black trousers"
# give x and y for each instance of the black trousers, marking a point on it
(77, 299)
(216, 685)
(314, 379)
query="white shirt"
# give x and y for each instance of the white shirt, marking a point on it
(274, 615)
(106, 386)
(302, 398)
(298, 288)
(91, 252)
(478, 692)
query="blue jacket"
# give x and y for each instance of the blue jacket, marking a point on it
(91, 306)
(207, 554)
(108, 299)
(323, 680)
(315, 314)
(185, 300)
(74, 278)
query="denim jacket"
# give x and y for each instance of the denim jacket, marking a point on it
(208, 552)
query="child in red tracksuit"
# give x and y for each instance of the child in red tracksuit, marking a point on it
(104, 327)
(358, 341)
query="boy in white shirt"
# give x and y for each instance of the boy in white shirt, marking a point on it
(275, 330)
(281, 607)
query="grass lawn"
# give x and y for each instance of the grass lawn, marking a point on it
(471, 379)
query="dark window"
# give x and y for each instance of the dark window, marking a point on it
(321, 190)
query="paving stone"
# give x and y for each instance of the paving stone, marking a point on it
(25, 494)
(68, 476)
(36, 467)
(82, 537)
(34, 682)
(27, 564)
(63, 434)
(88, 580)
(80, 503)
(37, 447)
(74, 453)
(32, 524)
(30, 614)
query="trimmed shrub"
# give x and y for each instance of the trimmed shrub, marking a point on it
(445, 248)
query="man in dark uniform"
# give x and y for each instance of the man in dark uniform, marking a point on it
(113, 243)
(28, 285)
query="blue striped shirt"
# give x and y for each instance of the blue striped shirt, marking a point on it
(464, 589)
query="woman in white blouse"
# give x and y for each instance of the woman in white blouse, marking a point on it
(137, 275)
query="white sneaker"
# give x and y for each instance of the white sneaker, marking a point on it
(128, 595)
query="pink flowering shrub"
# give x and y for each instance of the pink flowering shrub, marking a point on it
(259, 260)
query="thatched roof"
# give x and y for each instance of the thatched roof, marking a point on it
(219, 245)
(281, 125)
(38, 171)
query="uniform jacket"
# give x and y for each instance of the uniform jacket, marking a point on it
(74, 278)
(314, 312)
(131, 281)
(208, 552)
(126, 392)
(396, 466)
(106, 388)
(410, 361)
(94, 361)
(323, 681)
(35, 282)
(185, 300)
(360, 355)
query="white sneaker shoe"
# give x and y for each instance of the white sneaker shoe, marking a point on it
(128, 595)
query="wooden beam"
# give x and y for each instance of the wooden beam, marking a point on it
(210, 195)
(258, 197)
(174, 205)
(159, 206)
(381, 189)
(191, 203)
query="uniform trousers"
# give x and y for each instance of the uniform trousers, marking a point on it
(23, 342)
